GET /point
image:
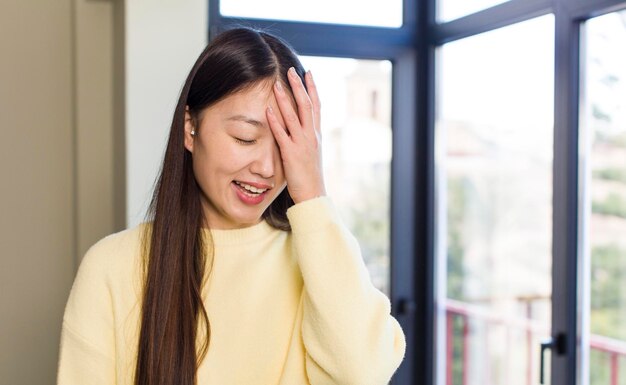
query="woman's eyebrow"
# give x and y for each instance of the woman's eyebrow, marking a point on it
(247, 119)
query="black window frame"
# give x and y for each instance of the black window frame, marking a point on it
(412, 48)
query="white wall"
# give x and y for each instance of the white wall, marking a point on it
(163, 40)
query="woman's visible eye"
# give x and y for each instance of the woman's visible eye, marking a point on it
(245, 142)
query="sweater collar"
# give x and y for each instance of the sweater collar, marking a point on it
(240, 236)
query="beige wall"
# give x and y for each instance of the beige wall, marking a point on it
(57, 164)
(87, 92)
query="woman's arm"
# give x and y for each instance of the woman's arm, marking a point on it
(87, 351)
(348, 332)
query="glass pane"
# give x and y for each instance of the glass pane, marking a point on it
(356, 147)
(453, 9)
(604, 123)
(380, 13)
(494, 187)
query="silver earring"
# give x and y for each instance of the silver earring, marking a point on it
(193, 132)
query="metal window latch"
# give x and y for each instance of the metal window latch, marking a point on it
(557, 345)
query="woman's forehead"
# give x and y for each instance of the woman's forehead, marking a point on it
(257, 95)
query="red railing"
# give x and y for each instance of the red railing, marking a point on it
(531, 328)
(614, 348)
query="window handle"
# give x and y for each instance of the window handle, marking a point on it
(557, 345)
(545, 345)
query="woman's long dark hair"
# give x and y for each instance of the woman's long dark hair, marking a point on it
(173, 245)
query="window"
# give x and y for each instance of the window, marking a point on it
(453, 9)
(604, 123)
(356, 145)
(494, 129)
(504, 190)
(357, 12)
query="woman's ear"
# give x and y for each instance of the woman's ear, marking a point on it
(190, 130)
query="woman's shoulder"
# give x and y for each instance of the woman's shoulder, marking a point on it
(116, 251)
(120, 240)
(105, 280)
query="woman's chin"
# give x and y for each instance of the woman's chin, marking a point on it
(241, 221)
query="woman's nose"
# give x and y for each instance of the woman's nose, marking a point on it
(267, 159)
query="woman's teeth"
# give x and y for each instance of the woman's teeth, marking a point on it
(251, 189)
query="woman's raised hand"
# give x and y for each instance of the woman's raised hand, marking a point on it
(300, 141)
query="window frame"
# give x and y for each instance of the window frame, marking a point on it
(411, 48)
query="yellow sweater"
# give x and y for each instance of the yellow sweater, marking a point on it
(285, 308)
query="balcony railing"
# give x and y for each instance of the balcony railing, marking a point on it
(532, 329)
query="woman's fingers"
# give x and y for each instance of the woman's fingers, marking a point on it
(298, 137)
(292, 121)
(315, 99)
(306, 115)
(305, 106)
(280, 133)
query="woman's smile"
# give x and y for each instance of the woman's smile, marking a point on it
(250, 194)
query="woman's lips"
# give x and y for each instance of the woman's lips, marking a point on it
(249, 197)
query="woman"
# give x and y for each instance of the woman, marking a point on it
(244, 272)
